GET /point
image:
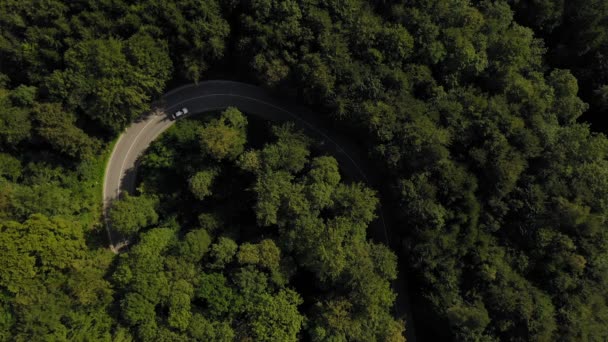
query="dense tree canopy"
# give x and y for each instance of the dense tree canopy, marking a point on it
(575, 35)
(131, 213)
(491, 178)
(112, 80)
(51, 286)
(224, 138)
(235, 269)
(15, 124)
(471, 128)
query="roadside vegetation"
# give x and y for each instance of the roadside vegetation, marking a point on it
(264, 244)
(470, 110)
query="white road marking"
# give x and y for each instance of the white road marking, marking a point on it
(122, 167)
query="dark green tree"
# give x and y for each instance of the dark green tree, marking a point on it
(112, 80)
(224, 138)
(131, 213)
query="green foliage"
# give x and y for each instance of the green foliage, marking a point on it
(290, 152)
(10, 167)
(471, 319)
(132, 213)
(483, 136)
(497, 188)
(179, 305)
(567, 106)
(40, 255)
(195, 245)
(46, 198)
(333, 248)
(265, 255)
(270, 190)
(209, 222)
(323, 179)
(222, 252)
(23, 96)
(136, 309)
(203, 330)
(200, 184)
(57, 128)
(276, 318)
(219, 298)
(575, 35)
(225, 137)
(196, 29)
(111, 80)
(15, 122)
(195, 284)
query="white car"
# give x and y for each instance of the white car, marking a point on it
(179, 113)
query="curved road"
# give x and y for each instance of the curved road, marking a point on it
(214, 95)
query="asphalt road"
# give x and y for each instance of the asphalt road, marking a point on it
(213, 95)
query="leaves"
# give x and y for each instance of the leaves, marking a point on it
(131, 213)
(201, 183)
(110, 80)
(15, 122)
(224, 138)
(58, 128)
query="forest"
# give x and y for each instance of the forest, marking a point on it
(484, 117)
